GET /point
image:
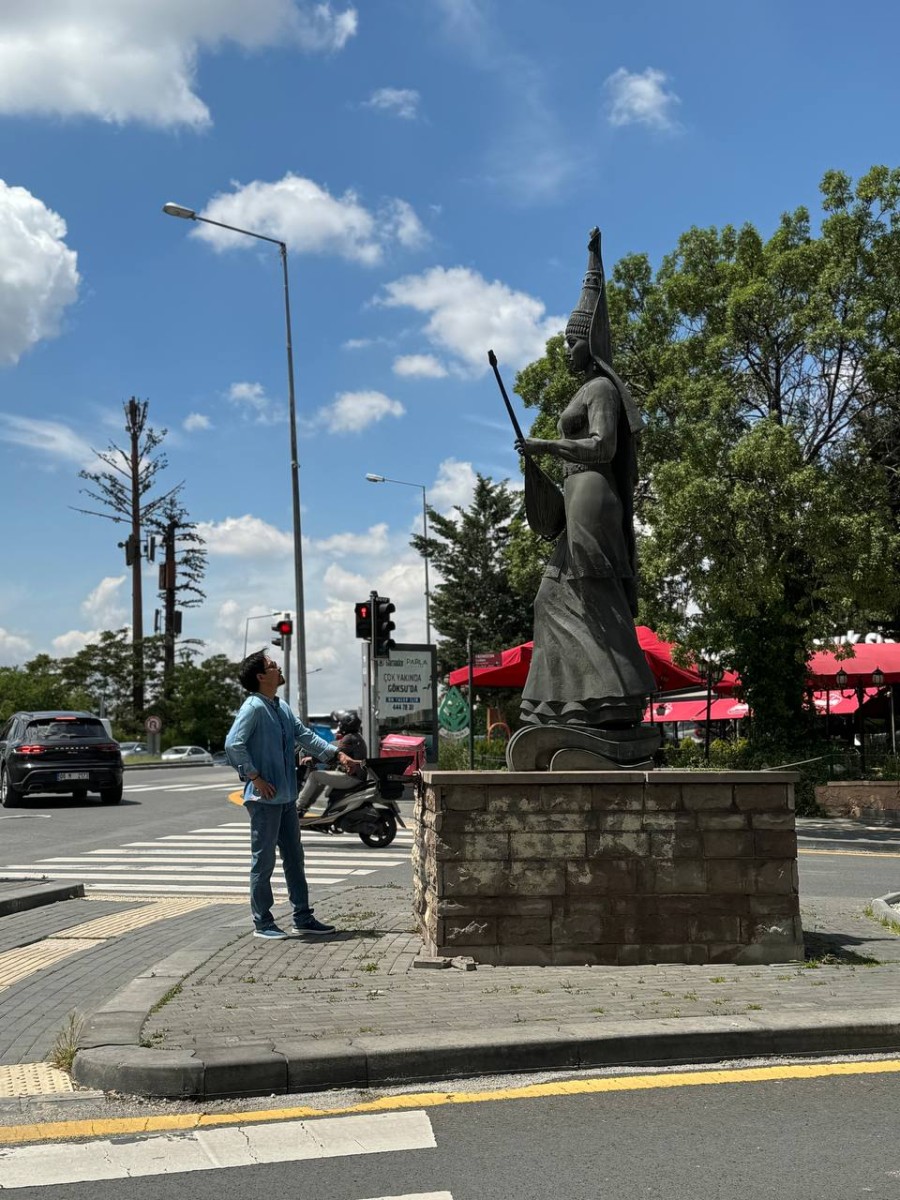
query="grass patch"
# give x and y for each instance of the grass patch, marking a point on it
(893, 926)
(67, 1043)
(164, 1000)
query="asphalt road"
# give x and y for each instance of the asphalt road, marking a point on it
(167, 816)
(728, 1138)
(837, 858)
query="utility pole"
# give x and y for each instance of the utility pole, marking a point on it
(136, 414)
(167, 581)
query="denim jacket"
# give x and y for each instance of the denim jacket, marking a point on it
(264, 740)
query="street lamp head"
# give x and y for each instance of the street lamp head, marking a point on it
(179, 210)
(375, 478)
(841, 679)
(878, 678)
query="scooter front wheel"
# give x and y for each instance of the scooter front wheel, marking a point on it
(384, 835)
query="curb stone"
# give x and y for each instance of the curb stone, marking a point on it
(36, 895)
(884, 909)
(111, 1057)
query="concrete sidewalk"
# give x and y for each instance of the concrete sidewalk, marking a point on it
(254, 1017)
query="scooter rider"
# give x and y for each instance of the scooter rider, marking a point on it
(350, 743)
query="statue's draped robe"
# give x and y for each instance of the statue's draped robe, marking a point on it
(587, 667)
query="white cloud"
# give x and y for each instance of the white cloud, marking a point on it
(103, 606)
(419, 366)
(468, 315)
(70, 643)
(454, 485)
(352, 412)
(374, 542)
(401, 102)
(252, 401)
(194, 422)
(38, 272)
(245, 537)
(13, 649)
(310, 220)
(136, 60)
(47, 437)
(640, 98)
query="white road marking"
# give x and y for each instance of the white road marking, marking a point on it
(213, 1149)
(209, 860)
(156, 859)
(119, 873)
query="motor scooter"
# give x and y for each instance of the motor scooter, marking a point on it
(369, 808)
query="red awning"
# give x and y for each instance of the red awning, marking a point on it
(512, 672)
(676, 710)
(513, 669)
(823, 666)
(840, 703)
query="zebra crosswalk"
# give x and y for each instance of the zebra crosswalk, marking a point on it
(209, 861)
(221, 1149)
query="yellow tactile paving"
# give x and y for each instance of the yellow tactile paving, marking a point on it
(23, 961)
(18, 964)
(135, 918)
(33, 1079)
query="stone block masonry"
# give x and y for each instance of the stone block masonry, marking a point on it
(608, 867)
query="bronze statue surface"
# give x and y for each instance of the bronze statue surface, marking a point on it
(588, 673)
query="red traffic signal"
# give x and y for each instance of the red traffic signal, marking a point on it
(284, 627)
(364, 620)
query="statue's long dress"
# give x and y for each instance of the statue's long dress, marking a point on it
(587, 668)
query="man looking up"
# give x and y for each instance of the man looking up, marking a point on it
(262, 745)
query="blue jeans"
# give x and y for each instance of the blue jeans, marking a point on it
(274, 825)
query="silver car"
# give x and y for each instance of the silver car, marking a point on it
(188, 754)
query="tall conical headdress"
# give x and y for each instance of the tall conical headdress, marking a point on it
(590, 322)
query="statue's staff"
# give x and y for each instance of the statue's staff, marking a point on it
(544, 507)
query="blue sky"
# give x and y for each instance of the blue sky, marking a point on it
(434, 166)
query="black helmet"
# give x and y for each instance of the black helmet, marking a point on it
(349, 722)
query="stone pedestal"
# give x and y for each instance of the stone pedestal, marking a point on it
(608, 867)
(875, 800)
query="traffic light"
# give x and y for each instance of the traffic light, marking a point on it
(364, 620)
(383, 643)
(284, 628)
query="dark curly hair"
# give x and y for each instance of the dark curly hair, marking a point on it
(250, 670)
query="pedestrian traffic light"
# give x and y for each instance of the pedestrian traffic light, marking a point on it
(364, 620)
(283, 628)
(383, 643)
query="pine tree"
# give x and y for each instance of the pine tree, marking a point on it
(474, 597)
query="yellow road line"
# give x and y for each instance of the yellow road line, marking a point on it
(854, 853)
(117, 1127)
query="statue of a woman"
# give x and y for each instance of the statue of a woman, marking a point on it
(587, 670)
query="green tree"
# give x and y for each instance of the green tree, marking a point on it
(469, 551)
(765, 368)
(40, 684)
(202, 702)
(102, 672)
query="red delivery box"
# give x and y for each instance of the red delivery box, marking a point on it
(401, 745)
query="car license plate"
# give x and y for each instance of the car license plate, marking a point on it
(61, 775)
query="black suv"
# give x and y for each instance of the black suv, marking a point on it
(67, 752)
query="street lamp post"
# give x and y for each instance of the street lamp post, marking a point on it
(405, 483)
(188, 214)
(714, 674)
(256, 617)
